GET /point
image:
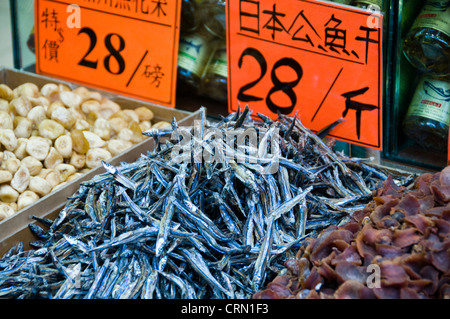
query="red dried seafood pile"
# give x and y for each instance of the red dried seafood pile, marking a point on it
(397, 247)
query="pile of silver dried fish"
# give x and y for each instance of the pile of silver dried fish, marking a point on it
(206, 214)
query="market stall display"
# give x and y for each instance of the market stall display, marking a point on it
(402, 236)
(167, 226)
(107, 197)
(50, 135)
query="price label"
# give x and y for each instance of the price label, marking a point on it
(127, 47)
(321, 59)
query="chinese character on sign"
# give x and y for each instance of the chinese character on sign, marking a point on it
(249, 16)
(50, 19)
(154, 72)
(306, 38)
(274, 22)
(357, 106)
(123, 4)
(327, 34)
(367, 39)
(51, 50)
(158, 7)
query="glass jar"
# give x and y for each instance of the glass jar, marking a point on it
(427, 44)
(214, 80)
(427, 119)
(193, 53)
(190, 18)
(212, 13)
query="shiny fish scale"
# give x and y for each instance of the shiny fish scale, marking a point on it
(162, 228)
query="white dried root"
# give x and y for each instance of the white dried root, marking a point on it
(6, 211)
(8, 139)
(81, 125)
(102, 128)
(79, 142)
(27, 89)
(117, 124)
(51, 129)
(63, 145)
(145, 125)
(63, 116)
(21, 179)
(65, 170)
(70, 99)
(51, 176)
(78, 160)
(95, 155)
(33, 165)
(26, 199)
(73, 176)
(40, 186)
(37, 114)
(117, 146)
(53, 158)
(11, 164)
(94, 140)
(144, 113)
(90, 106)
(49, 89)
(131, 115)
(5, 176)
(6, 121)
(21, 105)
(162, 125)
(4, 106)
(38, 147)
(23, 126)
(6, 93)
(21, 149)
(8, 194)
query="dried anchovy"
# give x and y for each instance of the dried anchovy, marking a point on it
(166, 227)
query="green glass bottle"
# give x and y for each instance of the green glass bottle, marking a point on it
(193, 53)
(214, 80)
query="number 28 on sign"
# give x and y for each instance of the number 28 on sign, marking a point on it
(128, 47)
(316, 58)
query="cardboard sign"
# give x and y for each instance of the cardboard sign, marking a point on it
(321, 59)
(127, 47)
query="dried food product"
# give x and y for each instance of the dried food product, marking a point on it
(55, 125)
(396, 247)
(196, 217)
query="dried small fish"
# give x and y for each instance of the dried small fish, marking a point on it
(213, 211)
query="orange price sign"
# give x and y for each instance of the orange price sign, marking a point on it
(126, 47)
(321, 59)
